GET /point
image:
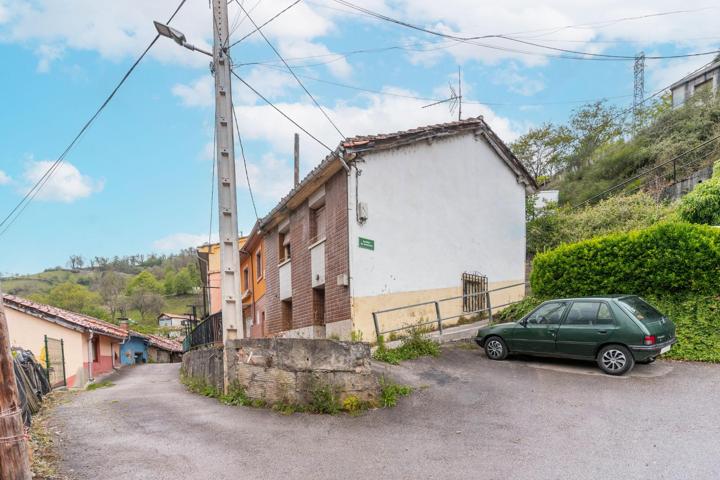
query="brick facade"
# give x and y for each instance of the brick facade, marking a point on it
(336, 297)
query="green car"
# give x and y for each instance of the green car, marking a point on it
(615, 331)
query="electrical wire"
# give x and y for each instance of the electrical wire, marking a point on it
(472, 40)
(281, 112)
(293, 74)
(642, 174)
(20, 207)
(242, 153)
(268, 21)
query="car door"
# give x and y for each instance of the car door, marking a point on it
(587, 324)
(537, 332)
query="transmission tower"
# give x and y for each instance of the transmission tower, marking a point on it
(639, 90)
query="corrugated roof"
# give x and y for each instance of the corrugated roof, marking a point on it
(84, 321)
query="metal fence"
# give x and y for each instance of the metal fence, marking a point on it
(55, 362)
(208, 332)
(484, 306)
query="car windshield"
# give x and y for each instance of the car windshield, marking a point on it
(641, 310)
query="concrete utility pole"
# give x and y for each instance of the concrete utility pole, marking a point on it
(14, 459)
(227, 193)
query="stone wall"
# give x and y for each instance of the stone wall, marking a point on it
(284, 370)
(205, 364)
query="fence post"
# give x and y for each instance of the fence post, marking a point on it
(489, 306)
(377, 327)
(439, 319)
(62, 356)
(47, 362)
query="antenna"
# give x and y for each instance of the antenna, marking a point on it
(455, 98)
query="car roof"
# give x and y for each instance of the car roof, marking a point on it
(614, 296)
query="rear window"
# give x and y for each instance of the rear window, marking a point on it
(641, 310)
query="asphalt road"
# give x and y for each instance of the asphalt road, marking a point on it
(470, 418)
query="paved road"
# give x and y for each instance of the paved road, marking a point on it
(472, 418)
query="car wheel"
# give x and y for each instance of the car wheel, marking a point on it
(495, 348)
(615, 360)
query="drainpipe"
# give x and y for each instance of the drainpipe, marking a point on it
(90, 356)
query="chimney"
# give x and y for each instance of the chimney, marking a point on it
(297, 160)
(124, 323)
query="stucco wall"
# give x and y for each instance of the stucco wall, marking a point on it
(130, 348)
(29, 332)
(434, 211)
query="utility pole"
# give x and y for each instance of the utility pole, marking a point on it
(14, 459)
(227, 193)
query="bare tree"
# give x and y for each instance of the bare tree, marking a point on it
(75, 262)
(112, 289)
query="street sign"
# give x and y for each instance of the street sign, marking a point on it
(366, 243)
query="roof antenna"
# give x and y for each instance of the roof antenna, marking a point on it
(455, 98)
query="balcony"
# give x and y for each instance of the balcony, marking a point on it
(317, 263)
(285, 280)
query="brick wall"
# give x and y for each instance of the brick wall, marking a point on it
(337, 298)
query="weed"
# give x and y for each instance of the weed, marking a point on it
(287, 408)
(356, 336)
(103, 384)
(390, 392)
(324, 400)
(335, 337)
(236, 396)
(413, 346)
(351, 404)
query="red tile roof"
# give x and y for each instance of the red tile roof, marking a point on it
(77, 319)
(164, 343)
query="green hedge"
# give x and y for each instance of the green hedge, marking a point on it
(702, 204)
(666, 258)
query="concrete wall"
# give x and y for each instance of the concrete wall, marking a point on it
(281, 370)
(434, 211)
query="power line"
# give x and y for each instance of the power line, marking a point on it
(242, 152)
(293, 73)
(472, 40)
(642, 174)
(432, 99)
(281, 112)
(268, 21)
(42, 181)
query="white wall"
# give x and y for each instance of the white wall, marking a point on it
(435, 211)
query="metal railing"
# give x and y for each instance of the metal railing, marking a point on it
(208, 332)
(439, 319)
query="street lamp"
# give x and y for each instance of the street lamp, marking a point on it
(178, 37)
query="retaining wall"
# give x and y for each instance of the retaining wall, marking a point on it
(288, 370)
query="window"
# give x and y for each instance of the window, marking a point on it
(246, 279)
(604, 316)
(258, 265)
(582, 313)
(641, 310)
(284, 246)
(548, 314)
(318, 223)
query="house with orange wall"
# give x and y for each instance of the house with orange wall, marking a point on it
(209, 260)
(252, 284)
(91, 347)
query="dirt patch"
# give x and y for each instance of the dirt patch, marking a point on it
(44, 458)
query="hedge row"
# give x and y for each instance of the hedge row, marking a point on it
(665, 258)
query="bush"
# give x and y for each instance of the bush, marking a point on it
(669, 257)
(413, 346)
(324, 400)
(517, 310)
(702, 204)
(390, 392)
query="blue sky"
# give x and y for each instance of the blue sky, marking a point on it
(140, 179)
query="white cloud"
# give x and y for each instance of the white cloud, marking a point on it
(4, 178)
(200, 93)
(178, 241)
(66, 184)
(47, 54)
(516, 82)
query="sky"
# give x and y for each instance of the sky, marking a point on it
(140, 179)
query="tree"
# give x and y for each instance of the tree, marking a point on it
(592, 126)
(541, 150)
(75, 262)
(144, 294)
(183, 282)
(112, 288)
(169, 282)
(76, 298)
